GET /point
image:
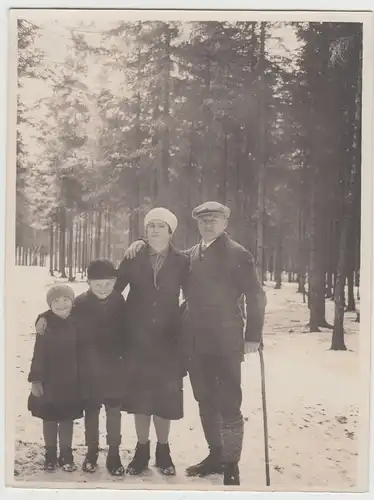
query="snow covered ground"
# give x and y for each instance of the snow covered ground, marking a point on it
(313, 404)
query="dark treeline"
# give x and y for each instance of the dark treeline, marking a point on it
(202, 111)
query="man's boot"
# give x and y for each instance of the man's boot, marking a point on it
(231, 476)
(210, 465)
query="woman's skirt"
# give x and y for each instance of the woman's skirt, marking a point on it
(155, 385)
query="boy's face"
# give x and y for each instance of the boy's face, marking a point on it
(62, 307)
(102, 288)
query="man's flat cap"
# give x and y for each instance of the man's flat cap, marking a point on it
(210, 207)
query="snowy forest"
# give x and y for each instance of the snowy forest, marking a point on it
(152, 113)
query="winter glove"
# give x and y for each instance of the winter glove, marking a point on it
(250, 347)
(37, 389)
(41, 326)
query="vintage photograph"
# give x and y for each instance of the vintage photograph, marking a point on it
(188, 281)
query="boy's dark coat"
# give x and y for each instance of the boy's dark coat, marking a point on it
(101, 346)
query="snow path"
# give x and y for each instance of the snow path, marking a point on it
(312, 393)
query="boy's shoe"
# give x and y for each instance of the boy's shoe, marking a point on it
(66, 460)
(141, 459)
(210, 465)
(113, 462)
(231, 474)
(163, 460)
(90, 462)
(50, 460)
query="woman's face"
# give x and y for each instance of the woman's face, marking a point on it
(158, 233)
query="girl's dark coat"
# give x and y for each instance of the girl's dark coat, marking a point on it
(153, 326)
(55, 365)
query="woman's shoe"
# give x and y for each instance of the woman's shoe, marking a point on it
(66, 460)
(163, 460)
(141, 459)
(90, 462)
(113, 462)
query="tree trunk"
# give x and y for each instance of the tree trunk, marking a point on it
(262, 164)
(316, 272)
(98, 235)
(62, 259)
(165, 163)
(76, 244)
(51, 249)
(70, 245)
(85, 245)
(57, 243)
(222, 187)
(109, 238)
(278, 258)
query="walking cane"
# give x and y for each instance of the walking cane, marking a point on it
(265, 416)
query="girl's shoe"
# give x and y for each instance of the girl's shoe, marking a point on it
(66, 460)
(141, 459)
(90, 462)
(50, 460)
(113, 462)
(163, 460)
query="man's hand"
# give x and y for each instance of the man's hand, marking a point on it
(37, 389)
(133, 249)
(41, 326)
(250, 347)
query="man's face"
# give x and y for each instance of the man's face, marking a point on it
(211, 226)
(102, 288)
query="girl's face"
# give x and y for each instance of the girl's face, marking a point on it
(62, 307)
(102, 288)
(158, 233)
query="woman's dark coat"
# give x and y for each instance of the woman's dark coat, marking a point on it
(153, 326)
(55, 365)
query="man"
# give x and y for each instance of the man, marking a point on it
(221, 272)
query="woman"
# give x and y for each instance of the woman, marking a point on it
(156, 276)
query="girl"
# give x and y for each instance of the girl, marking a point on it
(153, 354)
(53, 375)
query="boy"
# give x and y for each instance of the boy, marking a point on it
(99, 314)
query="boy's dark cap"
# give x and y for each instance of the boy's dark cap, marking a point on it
(100, 270)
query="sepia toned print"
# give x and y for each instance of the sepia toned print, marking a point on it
(189, 250)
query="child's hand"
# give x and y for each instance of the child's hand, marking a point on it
(41, 326)
(37, 389)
